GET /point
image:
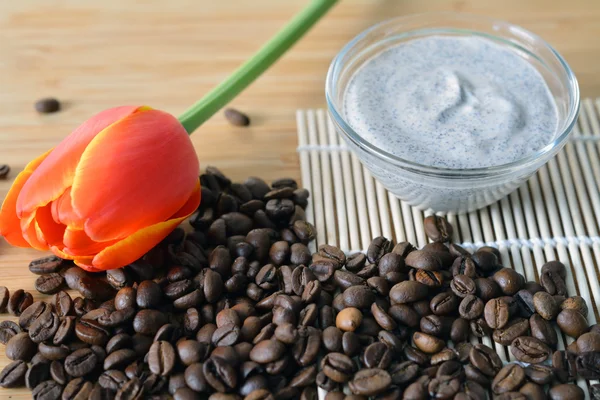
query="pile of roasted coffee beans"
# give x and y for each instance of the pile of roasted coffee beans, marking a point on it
(239, 308)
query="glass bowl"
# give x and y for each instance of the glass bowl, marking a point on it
(445, 189)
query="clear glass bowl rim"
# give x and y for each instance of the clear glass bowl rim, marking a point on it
(508, 168)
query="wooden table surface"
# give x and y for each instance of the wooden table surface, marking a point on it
(96, 54)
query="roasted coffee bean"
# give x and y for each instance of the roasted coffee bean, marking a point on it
(47, 390)
(436, 325)
(369, 382)
(443, 387)
(19, 301)
(118, 278)
(191, 351)
(404, 314)
(524, 303)
(497, 313)
(471, 307)
(65, 330)
(4, 296)
(588, 365)
(566, 391)
(63, 304)
(119, 358)
(487, 289)
(147, 322)
(564, 364)
(227, 335)
(333, 253)
(78, 388)
(46, 265)
(306, 349)
(589, 341)
(337, 367)
(437, 228)
(427, 343)
(91, 332)
(379, 247)
(540, 374)
(20, 347)
(377, 355)
(460, 330)
(514, 329)
(13, 375)
(305, 231)
(359, 297)
(384, 320)
(356, 262)
(44, 326)
(47, 105)
(543, 330)
(553, 283)
(462, 286)
(509, 379)
(472, 373)
(545, 305)
(444, 303)
(31, 313)
(219, 374)
(408, 292)
(509, 280)
(258, 187)
(349, 319)
(323, 269)
(118, 342)
(463, 349)
(81, 362)
(464, 265)
(131, 390)
(404, 372)
(161, 358)
(4, 171)
(421, 259)
(576, 303)
(429, 278)
(49, 283)
(485, 360)
(480, 328)
(572, 323)
(530, 350)
(267, 351)
(53, 352)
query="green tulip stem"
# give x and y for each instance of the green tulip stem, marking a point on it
(214, 100)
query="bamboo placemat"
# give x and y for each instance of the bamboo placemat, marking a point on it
(553, 216)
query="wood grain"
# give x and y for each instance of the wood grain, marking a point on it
(94, 55)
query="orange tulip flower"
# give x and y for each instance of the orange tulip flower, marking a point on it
(109, 192)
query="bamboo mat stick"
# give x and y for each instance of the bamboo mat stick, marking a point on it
(328, 192)
(317, 194)
(338, 183)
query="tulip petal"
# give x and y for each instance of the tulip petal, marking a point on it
(63, 213)
(135, 246)
(56, 173)
(134, 174)
(49, 229)
(10, 225)
(77, 243)
(32, 233)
